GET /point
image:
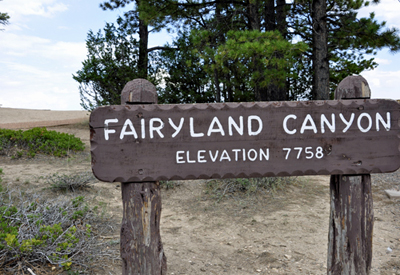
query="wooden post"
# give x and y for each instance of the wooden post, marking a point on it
(141, 247)
(351, 217)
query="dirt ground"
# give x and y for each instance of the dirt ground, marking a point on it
(280, 232)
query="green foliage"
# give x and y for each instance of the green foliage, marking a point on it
(230, 51)
(4, 17)
(185, 79)
(169, 184)
(352, 42)
(1, 180)
(38, 140)
(254, 58)
(220, 189)
(112, 61)
(46, 231)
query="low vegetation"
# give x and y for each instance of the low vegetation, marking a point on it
(240, 187)
(35, 231)
(18, 143)
(64, 182)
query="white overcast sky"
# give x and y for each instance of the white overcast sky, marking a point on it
(44, 44)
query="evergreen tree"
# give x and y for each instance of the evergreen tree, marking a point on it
(111, 62)
(244, 50)
(350, 43)
(184, 79)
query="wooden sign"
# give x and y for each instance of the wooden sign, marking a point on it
(232, 140)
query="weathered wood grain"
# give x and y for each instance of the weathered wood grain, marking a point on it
(352, 215)
(211, 147)
(141, 247)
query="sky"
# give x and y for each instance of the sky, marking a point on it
(44, 45)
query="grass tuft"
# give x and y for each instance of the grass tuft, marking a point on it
(79, 181)
(238, 187)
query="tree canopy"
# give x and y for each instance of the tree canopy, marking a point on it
(4, 17)
(237, 50)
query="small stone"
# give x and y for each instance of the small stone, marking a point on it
(392, 194)
(203, 269)
(258, 270)
(288, 256)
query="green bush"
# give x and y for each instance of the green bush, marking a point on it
(38, 140)
(39, 231)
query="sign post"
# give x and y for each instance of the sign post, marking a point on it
(139, 142)
(352, 217)
(141, 247)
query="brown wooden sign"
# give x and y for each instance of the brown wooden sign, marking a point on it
(232, 140)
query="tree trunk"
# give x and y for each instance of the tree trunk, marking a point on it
(320, 89)
(143, 47)
(269, 13)
(217, 88)
(281, 17)
(352, 216)
(276, 20)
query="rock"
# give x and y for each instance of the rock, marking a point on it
(288, 256)
(392, 194)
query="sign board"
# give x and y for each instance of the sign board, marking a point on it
(231, 140)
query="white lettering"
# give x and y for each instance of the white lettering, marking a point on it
(304, 126)
(331, 125)
(213, 158)
(236, 153)
(249, 155)
(143, 126)
(225, 156)
(386, 124)
(179, 158)
(188, 159)
(192, 133)
(348, 123)
(153, 129)
(108, 131)
(231, 123)
(250, 127)
(218, 130)
(124, 132)
(285, 128)
(176, 128)
(364, 130)
(265, 155)
(200, 157)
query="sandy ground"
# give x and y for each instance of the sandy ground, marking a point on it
(11, 118)
(279, 232)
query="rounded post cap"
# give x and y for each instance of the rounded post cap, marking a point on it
(354, 86)
(139, 91)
